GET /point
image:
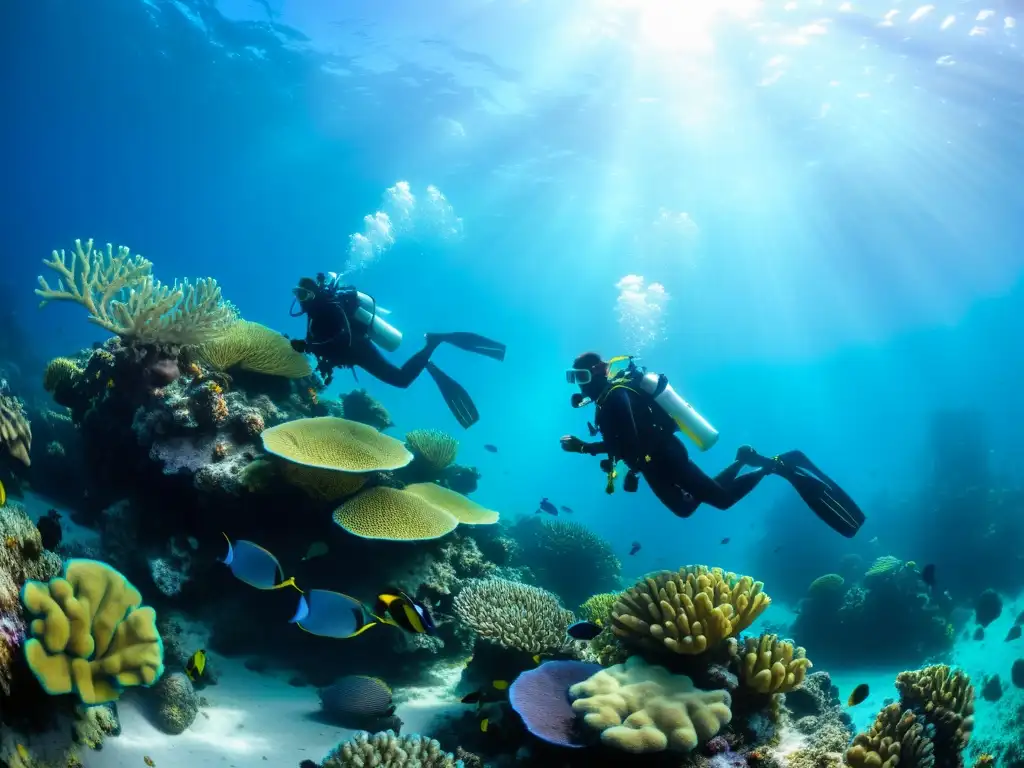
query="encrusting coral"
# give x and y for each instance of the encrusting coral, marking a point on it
(254, 347)
(640, 708)
(895, 738)
(15, 432)
(770, 665)
(689, 611)
(513, 615)
(388, 750)
(122, 296)
(92, 636)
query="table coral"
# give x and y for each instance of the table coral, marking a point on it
(689, 611)
(328, 442)
(92, 635)
(640, 708)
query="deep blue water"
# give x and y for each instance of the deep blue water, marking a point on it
(850, 258)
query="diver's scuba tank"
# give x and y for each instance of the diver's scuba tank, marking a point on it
(381, 332)
(690, 423)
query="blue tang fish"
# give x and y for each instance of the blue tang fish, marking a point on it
(332, 614)
(255, 566)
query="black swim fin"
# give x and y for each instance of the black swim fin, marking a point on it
(825, 498)
(473, 342)
(457, 398)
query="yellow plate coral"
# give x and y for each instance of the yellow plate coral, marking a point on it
(386, 513)
(328, 442)
(464, 509)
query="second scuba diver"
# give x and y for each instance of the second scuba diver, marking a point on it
(344, 329)
(638, 414)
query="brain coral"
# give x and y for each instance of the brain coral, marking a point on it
(254, 347)
(690, 611)
(328, 442)
(387, 513)
(514, 615)
(640, 709)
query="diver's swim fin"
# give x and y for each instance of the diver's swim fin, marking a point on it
(457, 398)
(473, 342)
(826, 499)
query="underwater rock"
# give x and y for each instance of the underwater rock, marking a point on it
(1017, 673)
(992, 690)
(174, 704)
(816, 697)
(979, 634)
(987, 607)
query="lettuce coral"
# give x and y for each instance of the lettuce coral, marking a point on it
(689, 611)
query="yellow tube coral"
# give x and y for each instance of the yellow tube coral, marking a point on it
(895, 738)
(772, 666)
(690, 611)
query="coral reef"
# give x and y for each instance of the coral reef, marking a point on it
(513, 615)
(896, 738)
(174, 703)
(772, 666)
(689, 611)
(15, 432)
(639, 708)
(254, 347)
(388, 750)
(93, 635)
(359, 406)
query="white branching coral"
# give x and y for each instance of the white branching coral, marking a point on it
(122, 296)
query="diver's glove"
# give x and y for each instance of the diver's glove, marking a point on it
(572, 444)
(299, 345)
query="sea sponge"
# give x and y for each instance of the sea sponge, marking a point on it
(175, 703)
(388, 750)
(437, 449)
(513, 615)
(541, 698)
(640, 708)
(92, 637)
(322, 484)
(15, 432)
(254, 347)
(772, 666)
(897, 737)
(387, 513)
(689, 611)
(328, 442)
(462, 508)
(945, 698)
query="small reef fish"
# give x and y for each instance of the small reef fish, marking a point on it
(584, 630)
(316, 549)
(567, 510)
(726, 540)
(332, 614)
(50, 531)
(148, 761)
(546, 506)
(196, 665)
(490, 448)
(485, 694)
(255, 566)
(398, 609)
(1014, 633)
(634, 548)
(858, 695)
(928, 576)
(539, 658)
(3, 495)
(23, 752)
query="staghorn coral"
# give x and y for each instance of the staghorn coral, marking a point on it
(689, 611)
(769, 665)
(388, 750)
(359, 405)
(896, 738)
(92, 635)
(328, 442)
(640, 708)
(435, 449)
(567, 558)
(150, 312)
(513, 615)
(386, 513)
(945, 699)
(22, 558)
(15, 432)
(254, 347)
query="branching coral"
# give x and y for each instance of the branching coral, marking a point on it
(513, 615)
(598, 608)
(121, 296)
(254, 347)
(896, 738)
(769, 665)
(15, 432)
(640, 709)
(91, 636)
(690, 611)
(388, 750)
(435, 448)
(945, 698)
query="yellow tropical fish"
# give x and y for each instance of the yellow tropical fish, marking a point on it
(22, 751)
(196, 665)
(3, 495)
(148, 761)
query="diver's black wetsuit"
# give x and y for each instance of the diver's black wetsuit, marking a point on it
(638, 432)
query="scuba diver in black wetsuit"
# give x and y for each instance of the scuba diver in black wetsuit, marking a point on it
(637, 415)
(344, 329)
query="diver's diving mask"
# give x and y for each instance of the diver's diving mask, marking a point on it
(579, 376)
